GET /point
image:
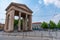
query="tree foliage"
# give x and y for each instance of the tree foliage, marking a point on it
(58, 25)
(15, 22)
(52, 25)
(44, 25)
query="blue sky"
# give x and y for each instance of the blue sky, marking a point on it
(43, 10)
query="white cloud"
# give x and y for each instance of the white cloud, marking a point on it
(46, 2)
(40, 1)
(3, 6)
(15, 1)
(55, 2)
(18, 1)
(56, 18)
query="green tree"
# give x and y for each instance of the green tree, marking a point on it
(15, 24)
(44, 25)
(52, 25)
(58, 25)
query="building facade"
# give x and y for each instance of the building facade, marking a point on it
(22, 11)
(36, 25)
(1, 26)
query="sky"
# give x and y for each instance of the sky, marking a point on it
(43, 10)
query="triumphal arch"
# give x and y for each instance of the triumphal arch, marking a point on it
(20, 10)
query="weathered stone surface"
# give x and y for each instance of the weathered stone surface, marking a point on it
(19, 10)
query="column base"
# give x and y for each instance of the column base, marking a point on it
(29, 30)
(19, 30)
(26, 30)
(9, 31)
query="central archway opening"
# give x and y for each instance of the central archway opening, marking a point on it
(16, 20)
(16, 23)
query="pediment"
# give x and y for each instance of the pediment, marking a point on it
(21, 6)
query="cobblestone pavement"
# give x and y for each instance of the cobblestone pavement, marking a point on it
(34, 35)
(20, 38)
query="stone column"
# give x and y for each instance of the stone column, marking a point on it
(23, 24)
(11, 21)
(19, 24)
(6, 23)
(30, 22)
(26, 22)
